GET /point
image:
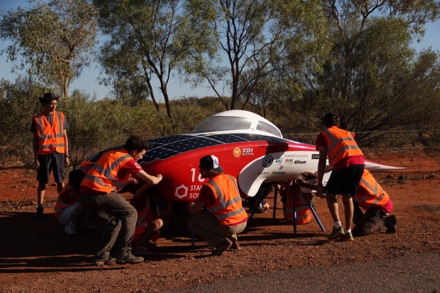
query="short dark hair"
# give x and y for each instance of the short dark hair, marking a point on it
(136, 143)
(75, 178)
(331, 119)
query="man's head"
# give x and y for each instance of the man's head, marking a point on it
(75, 178)
(136, 147)
(209, 164)
(49, 102)
(331, 119)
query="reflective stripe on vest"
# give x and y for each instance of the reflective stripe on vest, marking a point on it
(340, 144)
(102, 176)
(370, 194)
(303, 212)
(60, 205)
(227, 208)
(50, 137)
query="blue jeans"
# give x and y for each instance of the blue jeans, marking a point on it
(121, 219)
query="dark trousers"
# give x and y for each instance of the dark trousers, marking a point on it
(368, 223)
(121, 219)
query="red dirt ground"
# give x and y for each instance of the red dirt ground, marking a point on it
(36, 255)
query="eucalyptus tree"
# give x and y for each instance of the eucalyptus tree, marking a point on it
(149, 39)
(53, 40)
(252, 40)
(369, 76)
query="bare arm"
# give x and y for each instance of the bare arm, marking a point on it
(35, 149)
(321, 169)
(66, 143)
(195, 208)
(149, 179)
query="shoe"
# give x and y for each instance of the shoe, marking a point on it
(70, 229)
(40, 212)
(390, 222)
(262, 208)
(143, 250)
(347, 237)
(235, 245)
(336, 233)
(129, 258)
(223, 245)
(105, 259)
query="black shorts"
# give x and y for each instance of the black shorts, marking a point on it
(345, 181)
(52, 162)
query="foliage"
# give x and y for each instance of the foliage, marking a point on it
(252, 41)
(55, 39)
(148, 39)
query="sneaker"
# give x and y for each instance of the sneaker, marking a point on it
(390, 222)
(336, 233)
(235, 245)
(347, 237)
(223, 245)
(129, 258)
(105, 259)
(40, 212)
(70, 229)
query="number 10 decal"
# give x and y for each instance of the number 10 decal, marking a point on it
(193, 176)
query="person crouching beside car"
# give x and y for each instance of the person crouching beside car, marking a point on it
(226, 216)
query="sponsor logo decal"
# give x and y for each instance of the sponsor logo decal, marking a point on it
(181, 191)
(299, 162)
(278, 172)
(248, 151)
(315, 156)
(236, 152)
(267, 161)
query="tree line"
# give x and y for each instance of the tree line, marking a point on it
(290, 61)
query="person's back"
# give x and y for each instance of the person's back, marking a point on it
(347, 163)
(99, 190)
(221, 197)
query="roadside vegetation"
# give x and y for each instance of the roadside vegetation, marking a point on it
(287, 60)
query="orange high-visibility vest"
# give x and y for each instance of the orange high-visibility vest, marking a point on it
(303, 212)
(370, 194)
(340, 144)
(145, 214)
(103, 175)
(64, 200)
(50, 137)
(227, 207)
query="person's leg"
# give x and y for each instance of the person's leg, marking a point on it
(41, 191)
(371, 223)
(59, 170)
(348, 211)
(358, 214)
(43, 178)
(152, 228)
(122, 225)
(208, 227)
(332, 205)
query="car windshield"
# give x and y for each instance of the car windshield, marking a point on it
(223, 123)
(263, 126)
(230, 123)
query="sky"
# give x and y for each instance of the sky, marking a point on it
(88, 81)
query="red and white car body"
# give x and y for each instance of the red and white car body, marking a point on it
(248, 146)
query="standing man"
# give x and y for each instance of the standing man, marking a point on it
(347, 162)
(50, 145)
(99, 191)
(226, 217)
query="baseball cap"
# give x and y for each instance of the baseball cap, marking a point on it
(210, 162)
